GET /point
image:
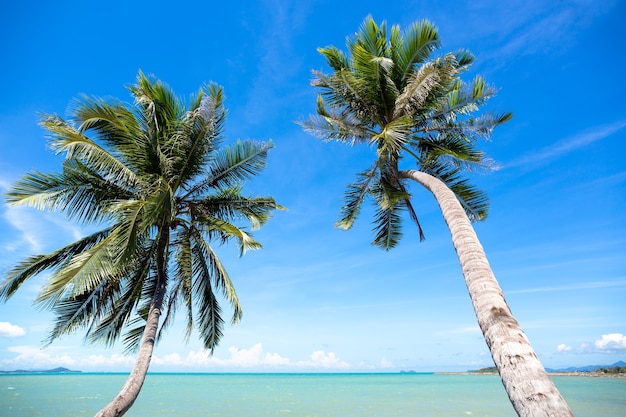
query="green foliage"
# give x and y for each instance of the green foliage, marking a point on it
(388, 91)
(613, 370)
(155, 174)
(489, 370)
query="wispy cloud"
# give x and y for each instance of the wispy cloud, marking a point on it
(37, 231)
(570, 144)
(279, 63)
(21, 219)
(571, 287)
(521, 28)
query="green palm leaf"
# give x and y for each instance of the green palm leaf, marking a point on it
(235, 164)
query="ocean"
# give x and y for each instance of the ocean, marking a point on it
(295, 395)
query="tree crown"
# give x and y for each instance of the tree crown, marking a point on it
(154, 174)
(388, 91)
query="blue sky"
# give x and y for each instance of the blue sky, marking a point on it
(317, 298)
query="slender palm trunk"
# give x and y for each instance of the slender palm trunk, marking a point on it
(530, 389)
(130, 391)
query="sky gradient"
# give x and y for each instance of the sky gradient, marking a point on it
(317, 298)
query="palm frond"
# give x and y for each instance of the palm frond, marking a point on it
(336, 124)
(390, 202)
(132, 337)
(168, 314)
(344, 89)
(464, 58)
(116, 125)
(419, 87)
(225, 230)
(108, 327)
(34, 265)
(413, 47)
(182, 291)
(87, 269)
(393, 136)
(240, 162)
(462, 100)
(81, 310)
(82, 273)
(158, 101)
(197, 137)
(65, 138)
(209, 319)
(231, 205)
(387, 228)
(334, 57)
(207, 261)
(78, 191)
(354, 196)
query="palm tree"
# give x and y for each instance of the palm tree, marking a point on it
(389, 92)
(152, 175)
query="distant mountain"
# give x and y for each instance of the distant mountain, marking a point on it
(588, 368)
(47, 371)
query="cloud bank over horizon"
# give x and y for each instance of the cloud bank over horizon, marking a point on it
(252, 359)
(239, 359)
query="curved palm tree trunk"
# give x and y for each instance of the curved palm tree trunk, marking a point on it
(530, 389)
(128, 394)
(130, 391)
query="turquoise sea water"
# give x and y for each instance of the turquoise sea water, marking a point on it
(291, 395)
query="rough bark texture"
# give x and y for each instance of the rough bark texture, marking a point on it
(130, 391)
(529, 387)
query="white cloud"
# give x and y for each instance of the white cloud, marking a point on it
(245, 357)
(610, 343)
(10, 330)
(321, 359)
(385, 364)
(173, 359)
(114, 360)
(275, 359)
(562, 348)
(251, 358)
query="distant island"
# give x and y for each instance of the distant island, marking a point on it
(617, 369)
(46, 371)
